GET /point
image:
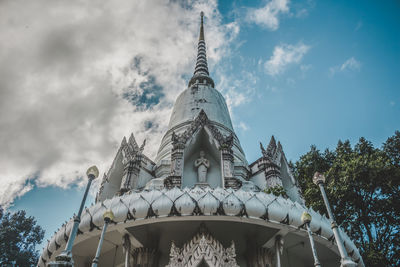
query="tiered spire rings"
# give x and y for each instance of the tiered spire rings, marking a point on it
(201, 74)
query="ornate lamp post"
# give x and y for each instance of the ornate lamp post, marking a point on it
(306, 219)
(65, 257)
(108, 217)
(319, 179)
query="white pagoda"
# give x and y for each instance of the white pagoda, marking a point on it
(199, 202)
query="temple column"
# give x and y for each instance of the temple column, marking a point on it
(130, 175)
(272, 175)
(131, 159)
(227, 163)
(278, 250)
(175, 179)
(228, 179)
(178, 146)
(127, 249)
(145, 257)
(270, 163)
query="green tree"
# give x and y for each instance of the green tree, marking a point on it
(363, 185)
(19, 236)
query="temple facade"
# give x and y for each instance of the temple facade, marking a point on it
(199, 202)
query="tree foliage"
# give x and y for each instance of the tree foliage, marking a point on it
(277, 191)
(19, 236)
(363, 186)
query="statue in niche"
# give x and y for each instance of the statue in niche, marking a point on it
(202, 164)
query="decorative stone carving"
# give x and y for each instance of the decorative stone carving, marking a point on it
(275, 167)
(175, 179)
(233, 183)
(131, 159)
(271, 163)
(202, 164)
(202, 247)
(103, 181)
(177, 163)
(179, 143)
(172, 181)
(227, 167)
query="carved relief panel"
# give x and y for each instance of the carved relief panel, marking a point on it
(131, 160)
(202, 249)
(220, 161)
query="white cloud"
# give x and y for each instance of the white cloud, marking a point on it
(301, 9)
(75, 77)
(268, 16)
(351, 64)
(283, 56)
(243, 126)
(237, 90)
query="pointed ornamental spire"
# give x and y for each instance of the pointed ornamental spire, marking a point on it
(201, 74)
(272, 146)
(201, 37)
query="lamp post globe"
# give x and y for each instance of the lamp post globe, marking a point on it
(306, 217)
(92, 172)
(108, 216)
(319, 178)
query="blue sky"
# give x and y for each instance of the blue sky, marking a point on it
(308, 72)
(320, 106)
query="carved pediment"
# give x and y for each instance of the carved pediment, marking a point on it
(179, 141)
(273, 153)
(128, 157)
(131, 150)
(202, 248)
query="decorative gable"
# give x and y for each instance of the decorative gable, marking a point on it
(131, 150)
(203, 247)
(125, 171)
(220, 145)
(272, 170)
(200, 122)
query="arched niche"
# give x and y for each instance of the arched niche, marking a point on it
(203, 263)
(202, 140)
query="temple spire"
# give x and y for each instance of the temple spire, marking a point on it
(201, 73)
(201, 37)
